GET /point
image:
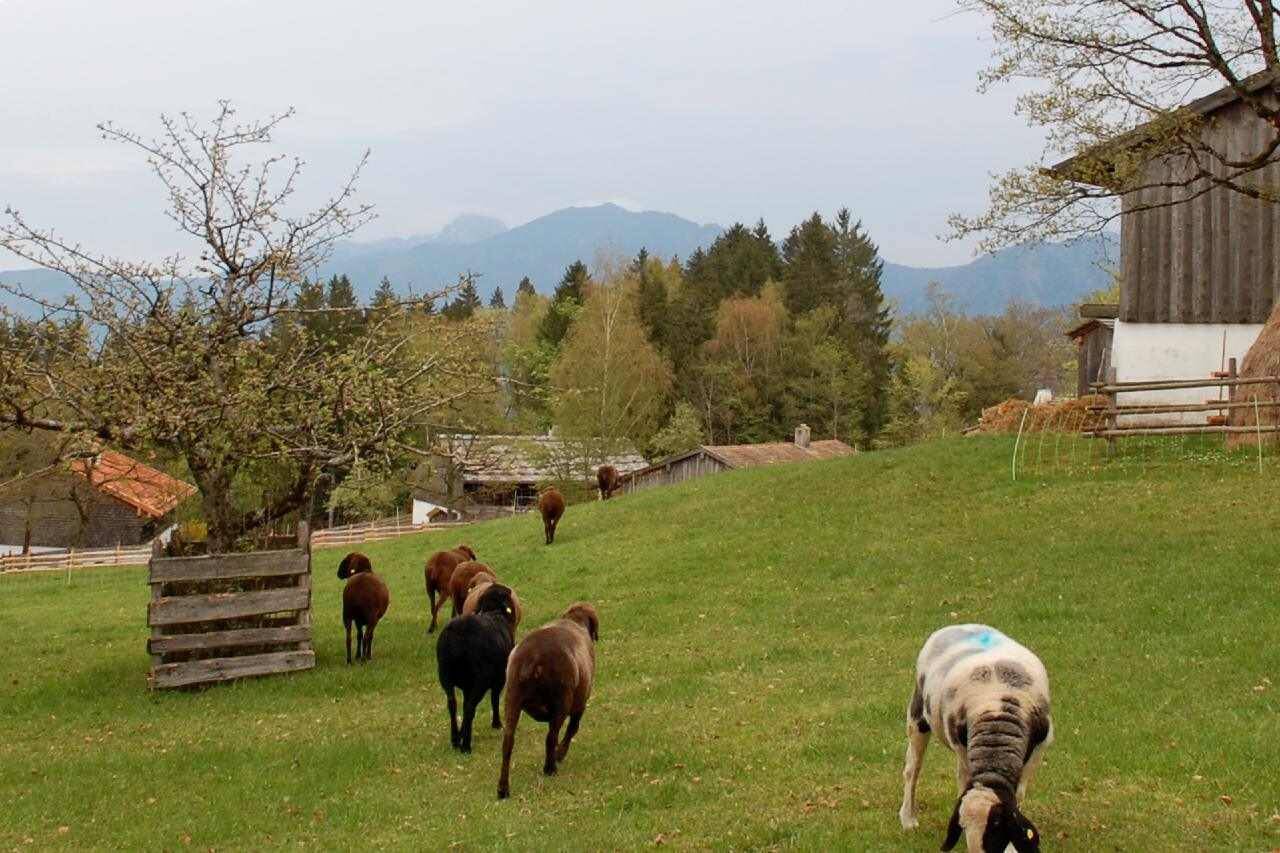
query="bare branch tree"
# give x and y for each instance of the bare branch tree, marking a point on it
(209, 358)
(1112, 80)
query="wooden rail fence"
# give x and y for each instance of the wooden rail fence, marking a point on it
(375, 532)
(73, 559)
(1108, 416)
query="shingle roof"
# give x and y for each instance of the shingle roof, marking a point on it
(753, 455)
(152, 493)
(530, 458)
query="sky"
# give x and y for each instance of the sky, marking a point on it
(716, 111)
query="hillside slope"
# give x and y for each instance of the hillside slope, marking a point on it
(758, 633)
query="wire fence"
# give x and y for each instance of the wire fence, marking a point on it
(1220, 421)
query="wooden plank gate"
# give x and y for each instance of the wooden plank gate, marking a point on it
(227, 616)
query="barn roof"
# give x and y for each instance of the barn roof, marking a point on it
(753, 455)
(151, 492)
(756, 455)
(1079, 167)
(531, 458)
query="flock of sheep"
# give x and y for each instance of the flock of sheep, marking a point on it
(986, 695)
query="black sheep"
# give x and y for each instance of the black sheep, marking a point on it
(471, 656)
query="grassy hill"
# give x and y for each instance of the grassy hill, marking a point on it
(759, 631)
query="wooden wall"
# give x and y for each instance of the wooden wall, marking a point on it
(1215, 258)
(57, 520)
(1093, 353)
(698, 465)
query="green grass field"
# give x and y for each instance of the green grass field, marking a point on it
(759, 631)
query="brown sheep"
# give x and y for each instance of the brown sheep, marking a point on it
(353, 564)
(551, 505)
(460, 582)
(365, 600)
(439, 570)
(479, 585)
(609, 481)
(549, 677)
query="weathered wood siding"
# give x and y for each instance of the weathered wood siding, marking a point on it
(1213, 257)
(697, 465)
(228, 616)
(66, 512)
(1094, 353)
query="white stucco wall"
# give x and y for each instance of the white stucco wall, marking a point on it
(1142, 351)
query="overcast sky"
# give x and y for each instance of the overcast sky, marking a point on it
(718, 112)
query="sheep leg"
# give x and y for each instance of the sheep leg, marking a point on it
(435, 608)
(469, 703)
(917, 741)
(553, 740)
(454, 737)
(360, 630)
(1032, 765)
(348, 624)
(508, 743)
(493, 698)
(572, 730)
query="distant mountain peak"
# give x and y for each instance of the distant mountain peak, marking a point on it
(469, 228)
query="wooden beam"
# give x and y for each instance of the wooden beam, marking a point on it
(181, 609)
(225, 669)
(1186, 430)
(258, 564)
(1175, 384)
(229, 639)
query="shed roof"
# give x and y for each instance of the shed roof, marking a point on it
(1071, 168)
(151, 492)
(755, 455)
(530, 458)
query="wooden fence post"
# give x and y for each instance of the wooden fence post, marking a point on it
(1113, 419)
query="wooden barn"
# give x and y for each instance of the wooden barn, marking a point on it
(712, 459)
(482, 473)
(99, 502)
(1199, 265)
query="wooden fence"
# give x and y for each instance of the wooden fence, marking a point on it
(1107, 423)
(73, 559)
(375, 532)
(228, 616)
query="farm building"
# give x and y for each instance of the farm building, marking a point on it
(99, 502)
(492, 471)
(1199, 265)
(712, 459)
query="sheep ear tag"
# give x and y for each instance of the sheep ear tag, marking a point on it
(1031, 835)
(509, 610)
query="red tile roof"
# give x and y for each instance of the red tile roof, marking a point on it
(152, 493)
(752, 455)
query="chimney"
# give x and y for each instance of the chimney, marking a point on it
(802, 436)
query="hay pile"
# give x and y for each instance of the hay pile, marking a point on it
(1262, 359)
(1066, 415)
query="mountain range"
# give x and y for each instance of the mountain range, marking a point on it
(1048, 274)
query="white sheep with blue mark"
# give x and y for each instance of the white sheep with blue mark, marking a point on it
(988, 698)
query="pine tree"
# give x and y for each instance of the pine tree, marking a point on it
(525, 286)
(385, 295)
(868, 320)
(651, 297)
(497, 300)
(812, 274)
(565, 303)
(466, 303)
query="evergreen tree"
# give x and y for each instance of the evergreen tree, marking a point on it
(497, 300)
(565, 303)
(651, 297)
(385, 295)
(525, 286)
(868, 320)
(467, 301)
(812, 274)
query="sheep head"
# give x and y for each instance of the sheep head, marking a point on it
(990, 822)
